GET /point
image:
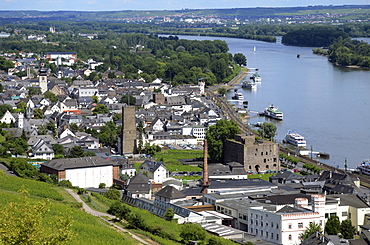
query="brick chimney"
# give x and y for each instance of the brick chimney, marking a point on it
(205, 183)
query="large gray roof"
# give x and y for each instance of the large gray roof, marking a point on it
(83, 162)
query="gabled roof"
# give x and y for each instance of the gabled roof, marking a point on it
(170, 192)
(139, 184)
(152, 166)
(73, 163)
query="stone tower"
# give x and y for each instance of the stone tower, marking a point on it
(43, 77)
(128, 130)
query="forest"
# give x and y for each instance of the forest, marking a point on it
(312, 38)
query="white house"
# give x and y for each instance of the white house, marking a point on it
(7, 118)
(83, 172)
(41, 150)
(198, 132)
(157, 171)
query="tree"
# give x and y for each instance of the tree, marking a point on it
(240, 59)
(23, 222)
(113, 194)
(22, 106)
(347, 229)
(4, 108)
(42, 130)
(222, 91)
(311, 229)
(76, 151)
(119, 209)
(33, 91)
(52, 97)
(267, 130)
(102, 186)
(216, 136)
(168, 215)
(58, 149)
(191, 232)
(128, 99)
(38, 113)
(100, 109)
(332, 225)
(95, 98)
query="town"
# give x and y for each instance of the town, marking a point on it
(101, 131)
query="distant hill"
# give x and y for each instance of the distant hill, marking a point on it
(232, 13)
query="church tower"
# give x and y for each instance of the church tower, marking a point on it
(128, 130)
(43, 77)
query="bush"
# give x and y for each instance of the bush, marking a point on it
(113, 194)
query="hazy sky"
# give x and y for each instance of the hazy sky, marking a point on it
(115, 5)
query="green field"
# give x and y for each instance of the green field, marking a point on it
(86, 228)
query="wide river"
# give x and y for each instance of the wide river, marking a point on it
(328, 105)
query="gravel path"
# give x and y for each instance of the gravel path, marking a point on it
(103, 216)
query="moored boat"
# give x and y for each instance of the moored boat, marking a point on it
(295, 139)
(249, 85)
(273, 112)
(238, 96)
(256, 77)
(364, 167)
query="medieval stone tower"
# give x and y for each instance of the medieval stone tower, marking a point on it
(128, 130)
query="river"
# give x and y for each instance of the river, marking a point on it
(328, 105)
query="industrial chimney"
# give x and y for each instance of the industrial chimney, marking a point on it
(205, 183)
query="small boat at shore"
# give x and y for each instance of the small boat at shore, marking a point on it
(249, 85)
(273, 112)
(238, 96)
(256, 78)
(324, 155)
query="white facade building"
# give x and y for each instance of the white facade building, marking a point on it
(96, 175)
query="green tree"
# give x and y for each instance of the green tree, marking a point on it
(42, 130)
(240, 59)
(119, 209)
(100, 109)
(4, 108)
(38, 113)
(76, 151)
(52, 97)
(128, 99)
(311, 229)
(95, 98)
(168, 215)
(5, 64)
(24, 223)
(58, 149)
(22, 106)
(113, 194)
(102, 186)
(216, 136)
(190, 232)
(267, 130)
(89, 154)
(332, 225)
(73, 127)
(347, 229)
(222, 91)
(33, 91)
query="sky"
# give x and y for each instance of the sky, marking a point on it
(117, 5)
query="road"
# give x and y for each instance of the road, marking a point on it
(6, 170)
(103, 216)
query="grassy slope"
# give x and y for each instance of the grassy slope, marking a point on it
(87, 228)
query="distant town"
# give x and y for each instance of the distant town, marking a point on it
(99, 121)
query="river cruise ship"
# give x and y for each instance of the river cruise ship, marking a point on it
(273, 112)
(295, 139)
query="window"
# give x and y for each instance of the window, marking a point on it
(300, 225)
(267, 234)
(272, 224)
(289, 226)
(277, 236)
(261, 233)
(251, 230)
(251, 221)
(290, 237)
(272, 235)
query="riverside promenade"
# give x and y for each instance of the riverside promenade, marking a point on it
(230, 113)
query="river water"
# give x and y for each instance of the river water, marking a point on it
(328, 105)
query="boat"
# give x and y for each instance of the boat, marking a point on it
(238, 96)
(249, 85)
(295, 139)
(273, 112)
(364, 167)
(324, 155)
(256, 78)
